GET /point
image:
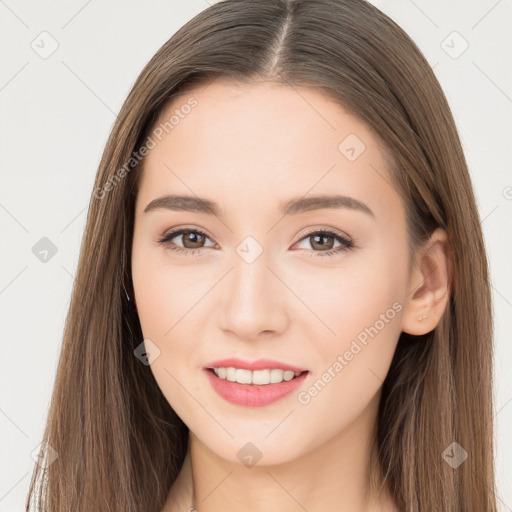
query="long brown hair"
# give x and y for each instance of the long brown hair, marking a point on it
(120, 445)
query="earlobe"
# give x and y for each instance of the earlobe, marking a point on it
(429, 286)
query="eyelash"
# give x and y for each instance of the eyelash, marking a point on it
(346, 244)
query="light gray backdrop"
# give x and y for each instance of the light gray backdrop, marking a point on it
(66, 69)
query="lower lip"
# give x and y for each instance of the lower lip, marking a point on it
(252, 395)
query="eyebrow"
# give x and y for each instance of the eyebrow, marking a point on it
(291, 207)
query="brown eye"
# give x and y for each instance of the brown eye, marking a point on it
(319, 241)
(192, 240)
(324, 242)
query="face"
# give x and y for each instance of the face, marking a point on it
(318, 285)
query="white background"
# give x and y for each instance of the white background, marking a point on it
(56, 116)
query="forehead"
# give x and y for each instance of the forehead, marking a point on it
(239, 144)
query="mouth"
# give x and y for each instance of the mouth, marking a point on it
(257, 388)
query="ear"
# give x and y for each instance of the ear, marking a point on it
(429, 285)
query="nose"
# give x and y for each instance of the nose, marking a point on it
(254, 299)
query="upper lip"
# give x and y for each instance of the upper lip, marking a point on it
(260, 364)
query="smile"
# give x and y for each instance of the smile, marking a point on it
(254, 394)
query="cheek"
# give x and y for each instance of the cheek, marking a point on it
(149, 285)
(354, 296)
(362, 305)
(351, 365)
(165, 306)
(165, 293)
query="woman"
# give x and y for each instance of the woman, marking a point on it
(282, 300)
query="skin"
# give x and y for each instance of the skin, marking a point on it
(249, 148)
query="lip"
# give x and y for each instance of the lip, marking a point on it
(252, 395)
(260, 364)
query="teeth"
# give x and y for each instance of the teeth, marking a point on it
(258, 377)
